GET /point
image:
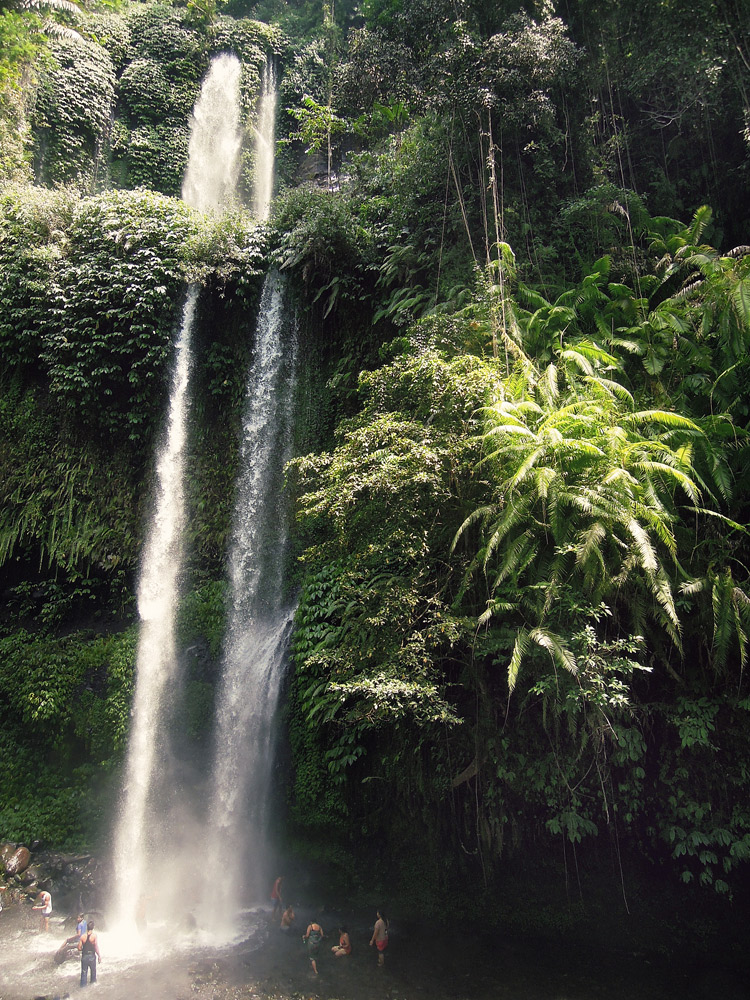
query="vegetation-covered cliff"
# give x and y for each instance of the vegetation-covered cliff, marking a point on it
(516, 236)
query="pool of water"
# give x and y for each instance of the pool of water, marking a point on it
(423, 962)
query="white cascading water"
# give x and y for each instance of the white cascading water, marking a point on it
(152, 818)
(213, 164)
(259, 614)
(265, 133)
(258, 627)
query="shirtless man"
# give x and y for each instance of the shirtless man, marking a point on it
(276, 897)
(380, 936)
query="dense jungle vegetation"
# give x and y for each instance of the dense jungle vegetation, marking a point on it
(515, 232)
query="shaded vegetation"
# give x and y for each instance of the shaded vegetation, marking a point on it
(523, 282)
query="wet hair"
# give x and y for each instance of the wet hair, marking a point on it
(343, 930)
(91, 925)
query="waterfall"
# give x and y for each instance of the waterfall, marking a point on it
(259, 616)
(258, 625)
(152, 817)
(265, 133)
(215, 139)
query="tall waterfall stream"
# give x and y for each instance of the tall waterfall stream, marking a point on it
(153, 836)
(165, 823)
(173, 888)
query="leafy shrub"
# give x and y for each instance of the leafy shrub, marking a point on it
(72, 113)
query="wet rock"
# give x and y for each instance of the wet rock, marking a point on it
(18, 861)
(31, 875)
(6, 851)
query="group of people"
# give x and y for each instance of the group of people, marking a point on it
(85, 938)
(314, 935)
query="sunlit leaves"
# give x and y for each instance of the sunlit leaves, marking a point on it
(93, 288)
(579, 473)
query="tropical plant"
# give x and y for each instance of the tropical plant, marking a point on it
(585, 491)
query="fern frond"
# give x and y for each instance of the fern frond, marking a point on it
(520, 648)
(645, 550)
(554, 645)
(589, 542)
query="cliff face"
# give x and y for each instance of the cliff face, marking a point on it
(524, 595)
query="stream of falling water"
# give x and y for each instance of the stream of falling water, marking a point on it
(265, 134)
(153, 816)
(259, 616)
(258, 625)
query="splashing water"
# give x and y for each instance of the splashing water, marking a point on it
(259, 622)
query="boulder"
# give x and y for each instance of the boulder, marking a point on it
(18, 861)
(31, 875)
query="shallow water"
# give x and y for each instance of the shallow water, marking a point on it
(421, 963)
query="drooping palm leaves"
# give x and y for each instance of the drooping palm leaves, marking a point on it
(586, 489)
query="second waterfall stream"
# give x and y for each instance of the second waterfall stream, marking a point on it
(188, 846)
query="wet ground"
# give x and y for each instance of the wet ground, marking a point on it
(422, 963)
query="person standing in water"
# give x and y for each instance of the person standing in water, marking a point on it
(312, 939)
(278, 906)
(89, 949)
(44, 904)
(380, 936)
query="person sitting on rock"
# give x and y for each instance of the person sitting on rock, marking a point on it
(344, 947)
(287, 918)
(81, 928)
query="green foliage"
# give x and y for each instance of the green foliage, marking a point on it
(90, 292)
(65, 702)
(600, 479)
(372, 630)
(72, 113)
(319, 234)
(67, 511)
(112, 32)
(317, 124)
(202, 615)
(550, 503)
